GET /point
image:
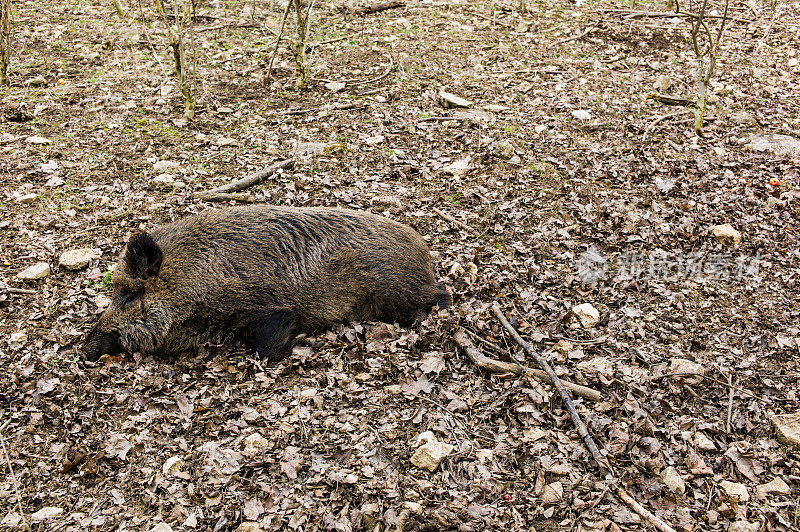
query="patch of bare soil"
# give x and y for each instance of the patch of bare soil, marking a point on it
(570, 186)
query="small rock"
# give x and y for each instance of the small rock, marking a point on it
(450, 101)
(775, 143)
(787, 428)
(553, 493)
(40, 270)
(663, 83)
(161, 527)
(458, 168)
(775, 486)
(166, 167)
(580, 114)
(372, 141)
(227, 141)
(250, 526)
(523, 27)
(743, 118)
(496, 108)
(504, 149)
(162, 181)
(429, 455)
(673, 480)
(26, 199)
(161, 101)
(588, 315)
(335, 86)
(726, 233)
(224, 109)
(703, 442)
(38, 81)
(77, 259)
(17, 339)
(38, 140)
(414, 507)
(744, 526)
(735, 491)
(48, 512)
(172, 465)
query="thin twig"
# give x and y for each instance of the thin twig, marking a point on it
(249, 180)
(587, 439)
(498, 366)
(26, 291)
(730, 404)
(277, 41)
(576, 419)
(13, 477)
(453, 221)
(576, 37)
(660, 119)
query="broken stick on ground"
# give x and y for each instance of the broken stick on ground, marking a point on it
(248, 181)
(498, 366)
(581, 427)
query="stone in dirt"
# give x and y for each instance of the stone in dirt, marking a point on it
(726, 233)
(40, 270)
(38, 140)
(166, 167)
(775, 143)
(744, 526)
(787, 428)
(673, 480)
(743, 118)
(77, 259)
(580, 114)
(430, 454)
(588, 315)
(450, 101)
(27, 198)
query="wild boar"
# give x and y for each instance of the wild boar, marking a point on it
(262, 275)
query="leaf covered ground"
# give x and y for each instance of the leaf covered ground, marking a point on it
(562, 166)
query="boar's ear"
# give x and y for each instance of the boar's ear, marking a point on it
(143, 256)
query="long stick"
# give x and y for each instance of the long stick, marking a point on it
(587, 439)
(576, 419)
(498, 366)
(277, 42)
(250, 180)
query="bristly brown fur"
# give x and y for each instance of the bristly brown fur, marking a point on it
(262, 275)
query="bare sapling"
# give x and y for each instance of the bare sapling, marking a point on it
(5, 39)
(706, 45)
(177, 29)
(300, 46)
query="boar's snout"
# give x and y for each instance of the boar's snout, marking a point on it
(99, 343)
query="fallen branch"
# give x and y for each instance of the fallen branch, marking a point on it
(576, 37)
(222, 197)
(25, 291)
(660, 119)
(587, 438)
(672, 100)
(576, 419)
(453, 221)
(13, 477)
(250, 180)
(377, 8)
(497, 366)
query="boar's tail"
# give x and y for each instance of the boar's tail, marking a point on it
(442, 296)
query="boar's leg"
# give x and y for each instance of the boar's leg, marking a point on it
(271, 336)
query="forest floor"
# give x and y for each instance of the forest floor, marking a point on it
(569, 186)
